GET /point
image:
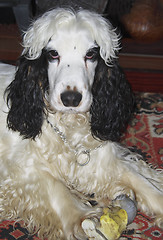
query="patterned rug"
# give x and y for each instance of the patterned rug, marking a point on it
(145, 134)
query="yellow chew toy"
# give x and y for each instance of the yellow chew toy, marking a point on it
(113, 222)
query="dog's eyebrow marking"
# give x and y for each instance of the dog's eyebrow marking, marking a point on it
(75, 89)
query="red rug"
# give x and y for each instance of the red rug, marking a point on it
(145, 134)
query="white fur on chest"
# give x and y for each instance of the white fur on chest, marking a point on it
(61, 161)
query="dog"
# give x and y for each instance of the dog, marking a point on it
(66, 106)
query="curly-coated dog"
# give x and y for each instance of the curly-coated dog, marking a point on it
(66, 106)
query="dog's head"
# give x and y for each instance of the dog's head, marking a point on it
(62, 53)
(72, 42)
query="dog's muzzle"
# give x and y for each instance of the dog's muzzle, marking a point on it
(71, 98)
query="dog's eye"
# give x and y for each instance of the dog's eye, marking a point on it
(53, 54)
(91, 54)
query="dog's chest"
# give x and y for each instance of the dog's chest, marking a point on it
(74, 156)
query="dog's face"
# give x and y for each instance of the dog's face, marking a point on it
(72, 41)
(72, 56)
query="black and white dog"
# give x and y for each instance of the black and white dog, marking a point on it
(68, 104)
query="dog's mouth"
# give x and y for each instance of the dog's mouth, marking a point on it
(69, 110)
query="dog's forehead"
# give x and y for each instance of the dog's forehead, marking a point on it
(72, 40)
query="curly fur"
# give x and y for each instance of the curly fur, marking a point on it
(26, 98)
(112, 90)
(42, 177)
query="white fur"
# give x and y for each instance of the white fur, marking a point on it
(42, 181)
(51, 22)
(72, 71)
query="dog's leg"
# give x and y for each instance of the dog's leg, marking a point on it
(47, 205)
(70, 209)
(147, 185)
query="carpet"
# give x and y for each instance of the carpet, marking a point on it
(145, 135)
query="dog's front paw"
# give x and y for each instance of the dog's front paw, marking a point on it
(74, 230)
(89, 227)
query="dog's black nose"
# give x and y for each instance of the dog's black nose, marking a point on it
(71, 98)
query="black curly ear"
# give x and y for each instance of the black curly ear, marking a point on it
(25, 96)
(112, 102)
